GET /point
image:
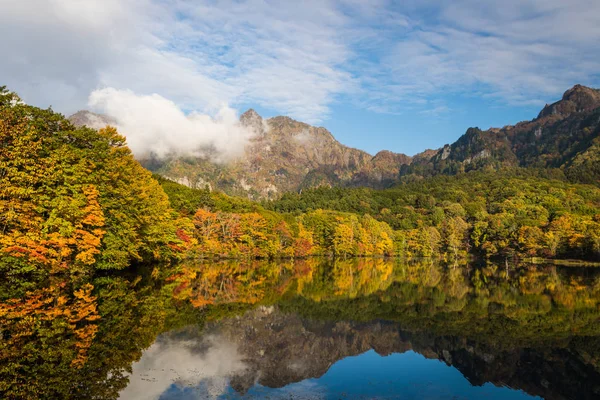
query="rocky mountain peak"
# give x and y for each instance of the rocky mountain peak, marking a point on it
(91, 120)
(254, 121)
(579, 90)
(284, 122)
(250, 115)
(577, 99)
(471, 137)
(388, 157)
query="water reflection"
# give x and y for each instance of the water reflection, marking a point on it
(268, 353)
(205, 362)
(374, 329)
(312, 329)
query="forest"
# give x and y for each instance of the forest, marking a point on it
(94, 247)
(512, 213)
(74, 201)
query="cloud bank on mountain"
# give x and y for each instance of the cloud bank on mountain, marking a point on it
(155, 126)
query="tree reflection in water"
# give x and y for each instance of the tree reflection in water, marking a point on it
(232, 326)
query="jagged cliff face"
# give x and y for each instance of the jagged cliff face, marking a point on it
(286, 155)
(283, 155)
(274, 349)
(562, 133)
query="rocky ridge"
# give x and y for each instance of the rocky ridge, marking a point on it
(283, 155)
(563, 132)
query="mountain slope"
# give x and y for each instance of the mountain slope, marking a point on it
(91, 120)
(562, 133)
(287, 155)
(284, 155)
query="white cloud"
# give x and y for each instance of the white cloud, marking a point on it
(516, 52)
(198, 54)
(155, 125)
(298, 58)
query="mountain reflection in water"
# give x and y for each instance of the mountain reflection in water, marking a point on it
(317, 328)
(422, 332)
(267, 353)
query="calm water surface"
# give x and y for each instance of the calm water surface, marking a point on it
(318, 329)
(383, 330)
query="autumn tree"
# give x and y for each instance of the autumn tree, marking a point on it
(74, 200)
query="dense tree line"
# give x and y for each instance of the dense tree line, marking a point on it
(231, 227)
(502, 214)
(74, 200)
(508, 213)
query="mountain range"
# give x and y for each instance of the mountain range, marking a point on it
(565, 135)
(287, 155)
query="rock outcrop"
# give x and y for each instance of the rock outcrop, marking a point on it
(562, 132)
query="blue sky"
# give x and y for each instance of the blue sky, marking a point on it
(378, 74)
(412, 132)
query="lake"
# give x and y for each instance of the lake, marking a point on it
(318, 329)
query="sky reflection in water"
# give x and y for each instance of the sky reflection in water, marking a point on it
(188, 369)
(367, 376)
